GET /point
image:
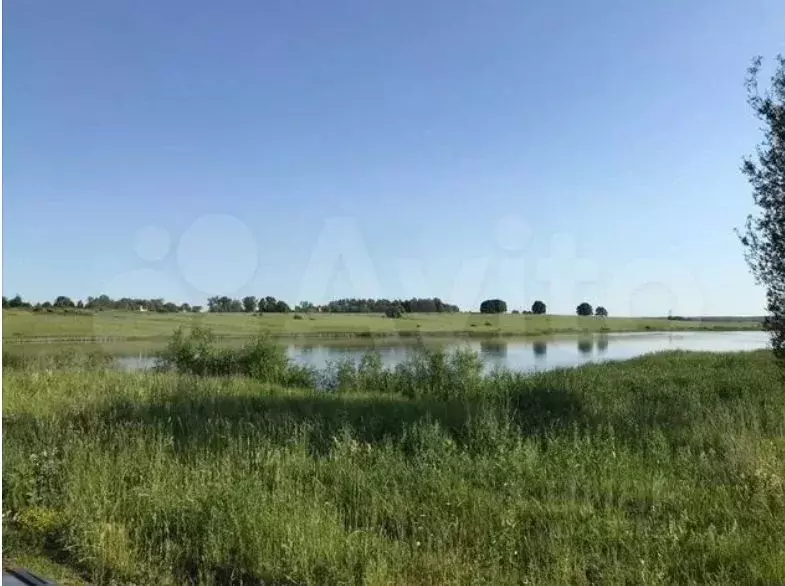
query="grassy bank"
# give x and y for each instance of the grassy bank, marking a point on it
(118, 325)
(665, 469)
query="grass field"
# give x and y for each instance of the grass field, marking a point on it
(665, 469)
(26, 325)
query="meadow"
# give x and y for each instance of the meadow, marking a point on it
(665, 469)
(20, 326)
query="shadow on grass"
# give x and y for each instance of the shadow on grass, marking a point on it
(199, 422)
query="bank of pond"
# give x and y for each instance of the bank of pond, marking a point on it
(235, 466)
(526, 354)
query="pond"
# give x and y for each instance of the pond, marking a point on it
(521, 354)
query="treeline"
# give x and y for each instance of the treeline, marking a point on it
(157, 305)
(102, 303)
(249, 304)
(413, 305)
(539, 308)
(268, 304)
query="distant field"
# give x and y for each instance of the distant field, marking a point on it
(122, 325)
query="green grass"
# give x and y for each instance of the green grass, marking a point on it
(665, 469)
(118, 325)
(45, 568)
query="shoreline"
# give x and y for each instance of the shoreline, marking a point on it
(404, 334)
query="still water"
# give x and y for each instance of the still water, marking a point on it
(516, 353)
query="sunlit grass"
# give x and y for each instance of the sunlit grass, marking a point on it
(665, 469)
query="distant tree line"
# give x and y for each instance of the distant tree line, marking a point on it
(103, 303)
(248, 304)
(156, 305)
(414, 305)
(15, 302)
(539, 308)
(251, 304)
(269, 304)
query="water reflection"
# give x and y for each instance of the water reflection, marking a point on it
(518, 354)
(335, 351)
(493, 349)
(585, 346)
(307, 349)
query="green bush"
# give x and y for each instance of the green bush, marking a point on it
(262, 359)
(394, 311)
(493, 306)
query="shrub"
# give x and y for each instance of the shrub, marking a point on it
(394, 311)
(438, 374)
(601, 311)
(297, 316)
(261, 359)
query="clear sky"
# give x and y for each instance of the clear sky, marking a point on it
(560, 150)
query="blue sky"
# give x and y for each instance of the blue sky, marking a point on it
(313, 150)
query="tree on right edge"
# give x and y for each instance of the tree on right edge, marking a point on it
(764, 234)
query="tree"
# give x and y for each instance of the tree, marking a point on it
(394, 311)
(250, 304)
(538, 307)
(281, 307)
(5, 302)
(584, 309)
(16, 302)
(224, 304)
(764, 235)
(493, 306)
(601, 311)
(79, 304)
(267, 304)
(63, 301)
(196, 309)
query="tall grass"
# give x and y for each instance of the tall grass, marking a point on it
(665, 469)
(70, 359)
(197, 352)
(432, 372)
